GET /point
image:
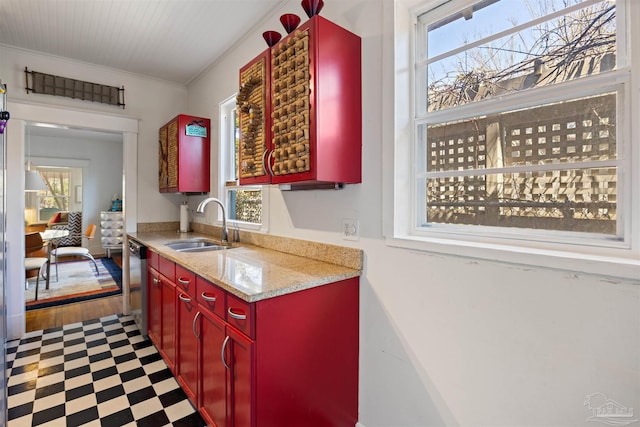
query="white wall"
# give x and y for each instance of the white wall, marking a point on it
(448, 340)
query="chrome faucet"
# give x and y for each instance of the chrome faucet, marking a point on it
(224, 238)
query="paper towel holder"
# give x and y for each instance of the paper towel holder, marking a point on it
(184, 218)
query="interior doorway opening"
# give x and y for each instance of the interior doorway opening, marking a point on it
(24, 114)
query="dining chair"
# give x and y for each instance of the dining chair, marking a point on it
(34, 246)
(68, 251)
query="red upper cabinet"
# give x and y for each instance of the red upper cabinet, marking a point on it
(184, 154)
(254, 115)
(314, 112)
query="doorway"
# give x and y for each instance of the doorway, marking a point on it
(70, 120)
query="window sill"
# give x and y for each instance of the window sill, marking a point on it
(625, 268)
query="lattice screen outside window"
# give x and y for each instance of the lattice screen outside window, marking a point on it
(563, 134)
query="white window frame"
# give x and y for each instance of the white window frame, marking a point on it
(226, 163)
(525, 248)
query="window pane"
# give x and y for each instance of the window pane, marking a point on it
(582, 200)
(474, 23)
(571, 197)
(236, 144)
(579, 130)
(577, 44)
(56, 197)
(245, 205)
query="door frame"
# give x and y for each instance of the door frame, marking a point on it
(20, 114)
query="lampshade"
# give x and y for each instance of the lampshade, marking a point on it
(33, 181)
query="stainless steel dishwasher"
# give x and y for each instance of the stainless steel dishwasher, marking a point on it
(138, 284)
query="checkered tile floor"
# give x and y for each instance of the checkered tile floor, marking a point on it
(99, 372)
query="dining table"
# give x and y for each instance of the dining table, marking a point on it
(50, 236)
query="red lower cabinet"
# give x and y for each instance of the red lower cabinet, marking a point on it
(168, 346)
(291, 360)
(213, 381)
(227, 390)
(161, 317)
(306, 357)
(240, 376)
(154, 309)
(188, 346)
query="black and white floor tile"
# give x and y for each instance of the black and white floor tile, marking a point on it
(99, 372)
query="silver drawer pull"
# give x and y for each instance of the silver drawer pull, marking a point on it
(208, 298)
(185, 282)
(183, 298)
(236, 315)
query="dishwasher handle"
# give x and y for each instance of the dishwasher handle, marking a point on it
(137, 249)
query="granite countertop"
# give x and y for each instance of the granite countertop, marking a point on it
(250, 272)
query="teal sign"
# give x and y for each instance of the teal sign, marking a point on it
(196, 130)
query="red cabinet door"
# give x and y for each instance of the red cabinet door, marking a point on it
(154, 309)
(213, 385)
(188, 346)
(240, 377)
(254, 118)
(168, 342)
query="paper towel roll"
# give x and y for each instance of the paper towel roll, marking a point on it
(184, 218)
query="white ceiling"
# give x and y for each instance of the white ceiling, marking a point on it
(173, 40)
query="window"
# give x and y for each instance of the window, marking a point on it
(56, 197)
(244, 204)
(520, 130)
(63, 193)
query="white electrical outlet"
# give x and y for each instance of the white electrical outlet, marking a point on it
(350, 229)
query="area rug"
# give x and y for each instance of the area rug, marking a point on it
(77, 281)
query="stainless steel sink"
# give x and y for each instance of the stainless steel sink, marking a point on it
(195, 245)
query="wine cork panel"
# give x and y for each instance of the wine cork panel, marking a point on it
(172, 154)
(290, 88)
(251, 102)
(162, 158)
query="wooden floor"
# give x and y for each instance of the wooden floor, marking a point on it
(45, 318)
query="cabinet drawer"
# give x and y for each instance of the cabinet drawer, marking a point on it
(186, 280)
(111, 224)
(241, 315)
(152, 259)
(112, 241)
(167, 268)
(111, 232)
(111, 216)
(210, 296)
